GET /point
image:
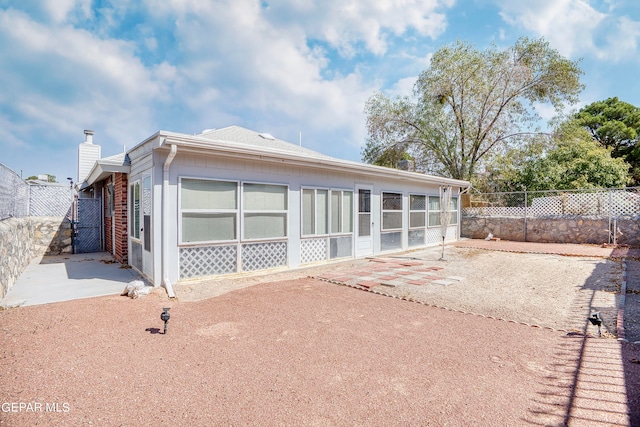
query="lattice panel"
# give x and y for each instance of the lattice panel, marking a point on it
(313, 250)
(434, 235)
(260, 256)
(208, 261)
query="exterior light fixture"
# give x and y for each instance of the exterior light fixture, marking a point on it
(165, 316)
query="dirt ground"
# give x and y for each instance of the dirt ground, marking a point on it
(286, 349)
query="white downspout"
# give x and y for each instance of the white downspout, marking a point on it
(165, 222)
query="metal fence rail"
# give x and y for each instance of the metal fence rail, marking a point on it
(599, 203)
(14, 194)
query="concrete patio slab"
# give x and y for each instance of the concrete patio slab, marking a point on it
(67, 277)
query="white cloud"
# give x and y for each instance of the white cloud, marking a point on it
(574, 27)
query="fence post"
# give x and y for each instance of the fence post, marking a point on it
(610, 205)
(525, 214)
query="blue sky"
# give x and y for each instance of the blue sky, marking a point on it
(128, 68)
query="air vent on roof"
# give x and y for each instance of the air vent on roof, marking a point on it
(267, 136)
(207, 131)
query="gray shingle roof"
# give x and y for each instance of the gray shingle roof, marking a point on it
(240, 135)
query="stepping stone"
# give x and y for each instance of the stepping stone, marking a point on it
(367, 284)
(418, 282)
(444, 282)
(456, 278)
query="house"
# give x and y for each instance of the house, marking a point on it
(178, 207)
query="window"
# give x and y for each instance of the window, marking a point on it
(326, 212)
(434, 211)
(391, 211)
(265, 211)
(134, 210)
(341, 212)
(110, 201)
(315, 207)
(209, 210)
(417, 211)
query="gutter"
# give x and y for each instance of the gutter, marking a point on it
(165, 223)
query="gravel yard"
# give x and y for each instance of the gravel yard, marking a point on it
(303, 351)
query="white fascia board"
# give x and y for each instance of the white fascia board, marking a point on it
(194, 143)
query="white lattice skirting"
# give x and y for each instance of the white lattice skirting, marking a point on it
(313, 250)
(260, 256)
(434, 236)
(208, 261)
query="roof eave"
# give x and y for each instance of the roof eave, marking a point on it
(279, 156)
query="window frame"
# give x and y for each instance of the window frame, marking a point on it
(315, 216)
(213, 211)
(134, 229)
(425, 211)
(244, 212)
(396, 211)
(456, 211)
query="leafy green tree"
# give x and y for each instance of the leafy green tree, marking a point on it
(470, 103)
(615, 124)
(576, 162)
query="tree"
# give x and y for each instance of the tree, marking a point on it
(615, 124)
(470, 103)
(576, 162)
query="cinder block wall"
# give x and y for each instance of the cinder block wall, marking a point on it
(22, 239)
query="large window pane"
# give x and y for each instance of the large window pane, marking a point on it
(454, 203)
(434, 218)
(207, 227)
(207, 194)
(347, 212)
(364, 224)
(308, 212)
(322, 201)
(265, 197)
(336, 207)
(135, 210)
(392, 201)
(416, 219)
(265, 225)
(364, 201)
(391, 220)
(434, 203)
(417, 203)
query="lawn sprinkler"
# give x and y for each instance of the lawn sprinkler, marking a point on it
(165, 316)
(596, 319)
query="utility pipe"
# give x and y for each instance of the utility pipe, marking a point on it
(165, 222)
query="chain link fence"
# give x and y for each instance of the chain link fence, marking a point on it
(19, 199)
(600, 203)
(14, 194)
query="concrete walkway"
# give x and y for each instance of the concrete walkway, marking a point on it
(68, 277)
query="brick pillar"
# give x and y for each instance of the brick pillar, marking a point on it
(108, 219)
(120, 217)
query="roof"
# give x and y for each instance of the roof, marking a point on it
(119, 163)
(235, 141)
(241, 135)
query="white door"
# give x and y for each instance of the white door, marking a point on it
(364, 223)
(145, 235)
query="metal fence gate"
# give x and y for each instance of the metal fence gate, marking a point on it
(88, 235)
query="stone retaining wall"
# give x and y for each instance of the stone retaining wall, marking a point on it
(22, 239)
(578, 229)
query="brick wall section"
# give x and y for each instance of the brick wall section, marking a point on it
(120, 217)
